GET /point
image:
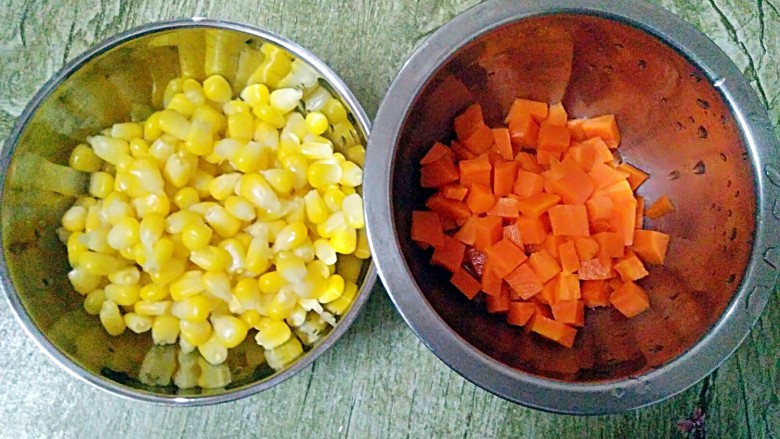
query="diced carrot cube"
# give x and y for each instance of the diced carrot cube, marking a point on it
(468, 231)
(555, 331)
(601, 151)
(568, 288)
(457, 210)
(548, 157)
(449, 255)
(426, 228)
(454, 191)
(556, 115)
(544, 265)
(491, 282)
(584, 156)
(603, 175)
(504, 174)
(636, 176)
(437, 151)
(480, 198)
(549, 292)
(489, 231)
(512, 233)
(528, 184)
(587, 248)
(623, 220)
(524, 131)
(538, 110)
(553, 138)
(460, 151)
(535, 205)
(469, 121)
(463, 281)
(570, 312)
(570, 182)
(520, 313)
(475, 171)
(528, 162)
(630, 268)
(659, 208)
(604, 127)
(532, 229)
(505, 208)
(567, 253)
(569, 220)
(498, 304)
(503, 143)
(524, 281)
(595, 293)
(630, 299)
(651, 246)
(480, 140)
(575, 126)
(610, 244)
(596, 269)
(439, 173)
(504, 256)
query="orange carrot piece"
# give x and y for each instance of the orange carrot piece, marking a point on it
(463, 281)
(610, 244)
(460, 151)
(489, 231)
(636, 176)
(651, 246)
(468, 231)
(587, 247)
(619, 192)
(570, 261)
(520, 313)
(504, 178)
(504, 256)
(598, 268)
(604, 127)
(575, 126)
(624, 220)
(532, 229)
(454, 191)
(556, 115)
(505, 208)
(524, 281)
(524, 131)
(480, 198)
(548, 157)
(570, 312)
(426, 228)
(550, 329)
(497, 304)
(448, 223)
(449, 255)
(568, 288)
(569, 220)
(569, 181)
(480, 140)
(584, 155)
(469, 121)
(503, 143)
(659, 208)
(446, 207)
(437, 151)
(475, 171)
(640, 212)
(603, 175)
(528, 184)
(491, 282)
(538, 204)
(601, 151)
(599, 208)
(551, 243)
(614, 283)
(538, 110)
(595, 293)
(630, 299)
(439, 173)
(528, 162)
(544, 265)
(553, 138)
(630, 268)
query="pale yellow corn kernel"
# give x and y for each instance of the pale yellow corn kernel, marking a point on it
(230, 330)
(189, 284)
(75, 219)
(351, 174)
(353, 211)
(101, 184)
(240, 126)
(285, 100)
(317, 148)
(251, 158)
(200, 139)
(202, 207)
(127, 131)
(334, 110)
(194, 333)
(339, 157)
(266, 135)
(94, 220)
(285, 354)
(334, 198)
(323, 173)
(152, 130)
(182, 105)
(297, 165)
(75, 247)
(214, 118)
(178, 170)
(362, 250)
(83, 282)
(282, 303)
(193, 308)
(334, 289)
(113, 151)
(271, 282)
(116, 208)
(196, 235)
(292, 268)
(124, 295)
(138, 323)
(84, 159)
(336, 222)
(151, 229)
(316, 123)
(201, 182)
(63, 234)
(111, 318)
(316, 97)
(126, 276)
(124, 234)
(174, 86)
(316, 210)
(344, 241)
(147, 308)
(311, 329)
(225, 224)
(186, 197)
(217, 89)
(94, 302)
(214, 352)
(340, 305)
(297, 317)
(251, 317)
(194, 91)
(295, 124)
(237, 255)
(226, 149)
(165, 329)
(291, 236)
(139, 148)
(224, 186)
(273, 334)
(244, 238)
(176, 221)
(85, 201)
(324, 251)
(153, 292)
(210, 258)
(97, 240)
(289, 144)
(311, 286)
(274, 227)
(240, 208)
(269, 115)
(281, 180)
(217, 284)
(174, 123)
(233, 107)
(258, 256)
(255, 189)
(169, 271)
(348, 190)
(256, 94)
(356, 154)
(98, 264)
(160, 151)
(320, 267)
(152, 204)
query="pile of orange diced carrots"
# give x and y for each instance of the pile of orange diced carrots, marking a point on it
(540, 217)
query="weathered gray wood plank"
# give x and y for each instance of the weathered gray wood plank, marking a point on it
(379, 380)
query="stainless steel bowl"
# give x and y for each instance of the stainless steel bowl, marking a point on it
(105, 85)
(687, 116)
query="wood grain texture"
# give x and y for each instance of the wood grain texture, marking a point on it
(379, 380)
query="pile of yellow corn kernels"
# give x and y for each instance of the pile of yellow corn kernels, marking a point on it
(217, 215)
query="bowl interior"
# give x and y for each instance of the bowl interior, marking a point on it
(126, 81)
(675, 126)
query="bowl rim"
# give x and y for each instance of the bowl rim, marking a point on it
(512, 384)
(20, 312)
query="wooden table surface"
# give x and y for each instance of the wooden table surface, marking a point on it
(378, 380)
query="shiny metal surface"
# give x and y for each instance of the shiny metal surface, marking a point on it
(688, 117)
(120, 77)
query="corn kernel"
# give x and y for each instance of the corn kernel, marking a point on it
(180, 104)
(266, 135)
(284, 354)
(165, 329)
(351, 174)
(230, 330)
(297, 165)
(362, 250)
(258, 256)
(316, 148)
(178, 170)
(98, 264)
(115, 208)
(336, 222)
(353, 211)
(113, 151)
(176, 221)
(269, 115)
(273, 334)
(174, 123)
(240, 126)
(217, 284)
(281, 180)
(196, 235)
(124, 295)
(93, 303)
(316, 123)
(340, 305)
(200, 138)
(85, 202)
(101, 184)
(297, 317)
(160, 151)
(216, 121)
(74, 219)
(344, 241)
(160, 254)
(186, 197)
(152, 130)
(127, 131)
(271, 282)
(285, 100)
(193, 308)
(247, 293)
(251, 158)
(138, 323)
(152, 204)
(255, 189)
(256, 94)
(84, 159)
(334, 110)
(223, 186)
(251, 317)
(213, 351)
(233, 107)
(324, 251)
(188, 285)
(217, 89)
(146, 308)
(240, 208)
(356, 154)
(225, 224)
(334, 289)
(311, 286)
(195, 333)
(111, 318)
(83, 282)
(153, 292)
(139, 148)
(201, 181)
(323, 173)
(210, 258)
(291, 236)
(291, 268)
(124, 234)
(126, 276)
(237, 252)
(194, 91)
